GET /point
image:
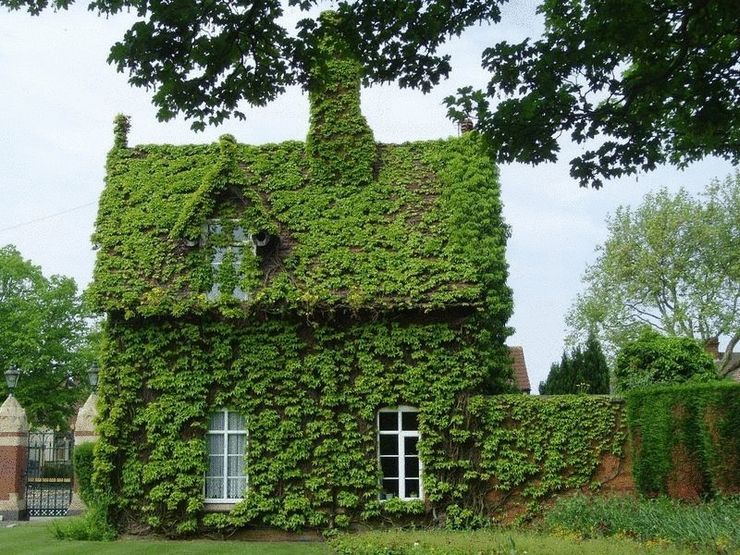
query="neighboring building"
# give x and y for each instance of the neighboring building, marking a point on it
(287, 322)
(712, 347)
(521, 377)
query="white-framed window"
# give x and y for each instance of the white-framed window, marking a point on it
(226, 441)
(238, 242)
(398, 436)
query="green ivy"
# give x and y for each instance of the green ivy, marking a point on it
(388, 287)
(700, 420)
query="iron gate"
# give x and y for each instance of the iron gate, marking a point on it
(49, 473)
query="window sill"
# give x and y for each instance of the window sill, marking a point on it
(220, 506)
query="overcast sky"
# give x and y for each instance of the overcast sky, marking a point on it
(58, 98)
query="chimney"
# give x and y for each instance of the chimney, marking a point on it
(466, 126)
(340, 144)
(712, 347)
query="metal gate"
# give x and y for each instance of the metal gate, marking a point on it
(49, 473)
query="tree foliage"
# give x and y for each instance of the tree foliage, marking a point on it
(673, 263)
(655, 359)
(43, 333)
(583, 370)
(658, 81)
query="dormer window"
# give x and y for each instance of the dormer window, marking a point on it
(229, 242)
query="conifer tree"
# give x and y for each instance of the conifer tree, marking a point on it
(582, 370)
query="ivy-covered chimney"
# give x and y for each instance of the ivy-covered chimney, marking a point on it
(340, 144)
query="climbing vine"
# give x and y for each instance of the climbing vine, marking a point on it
(381, 281)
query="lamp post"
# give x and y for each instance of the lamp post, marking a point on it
(92, 375)
(11, 378)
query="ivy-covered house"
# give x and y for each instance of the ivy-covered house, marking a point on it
(291, 327)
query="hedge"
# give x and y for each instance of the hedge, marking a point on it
(685, 439)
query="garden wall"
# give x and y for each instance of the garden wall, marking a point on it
(685, 438)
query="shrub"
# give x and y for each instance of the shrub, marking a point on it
(94, 525)
(714, 525)
(685, 440)
(83, 458)
(659, 359)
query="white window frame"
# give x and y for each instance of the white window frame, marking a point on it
(402, 434)
(225, 433)
(235, 247)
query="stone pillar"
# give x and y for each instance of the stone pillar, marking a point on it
(13, 458)
(84, 433)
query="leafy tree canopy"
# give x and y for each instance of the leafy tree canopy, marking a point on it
(653, 359)
(673, 264)
(658, 81)
(582, 370)
(43, 332)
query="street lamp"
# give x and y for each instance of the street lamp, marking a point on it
(92, 375)
(11, 377)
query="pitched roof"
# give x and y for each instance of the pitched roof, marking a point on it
(521, 378)
(425, 233)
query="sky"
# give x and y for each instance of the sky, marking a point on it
(58, 97)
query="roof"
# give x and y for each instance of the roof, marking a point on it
(521, 378)
(345, 223)
(426, 232)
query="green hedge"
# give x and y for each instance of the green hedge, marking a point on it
(685, 439)
(84, 455)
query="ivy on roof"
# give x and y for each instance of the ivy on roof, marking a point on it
(358, 225)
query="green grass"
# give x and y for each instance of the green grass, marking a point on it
(38, 539)
(711, 525)
(489, 542)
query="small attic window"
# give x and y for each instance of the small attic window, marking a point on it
(227, 248)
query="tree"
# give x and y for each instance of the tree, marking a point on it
(672, 264)
(43, 332)
(654, 359)
(584, 370)
(658, 80)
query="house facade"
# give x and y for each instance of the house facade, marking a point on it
(291, 328)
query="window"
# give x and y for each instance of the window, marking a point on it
(398, 435)
(226, 478)
(234, 248)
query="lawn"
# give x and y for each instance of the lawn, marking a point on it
(37, 539)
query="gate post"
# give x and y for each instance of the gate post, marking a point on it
(13, 459)
(84, 433)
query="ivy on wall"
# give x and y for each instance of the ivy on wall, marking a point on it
(387, 287)
(685, 439)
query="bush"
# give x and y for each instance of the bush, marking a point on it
(84, 456)
(714, 525)
(654, 359)
(685, 439)
(94, 525)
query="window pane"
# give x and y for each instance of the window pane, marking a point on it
(239, 235)
(236, 421)
(215, 466)
(388, 444)
(219, 253)
(388, 421)
(412, 488)
(412, 467)
(237, 442)
(390, 486)
(389, 466)
(217, 421)
(214, 488)
(409, 445)
(236, 467)
(237, 487)
(215, 444)
(410, 421)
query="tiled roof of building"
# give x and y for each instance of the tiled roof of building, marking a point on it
(521, 378)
